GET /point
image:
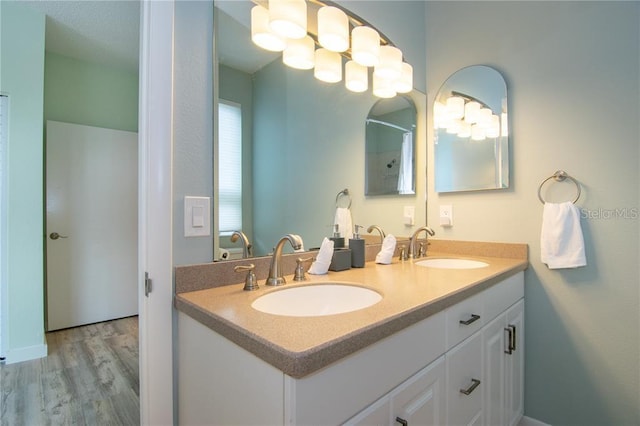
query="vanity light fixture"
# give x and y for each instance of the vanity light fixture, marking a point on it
(356, 77)
(382, 87)
(281, 25)
(333, 29)
(328, 66)
(365, 46)
(404, 84)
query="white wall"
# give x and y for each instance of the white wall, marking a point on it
(572, 70)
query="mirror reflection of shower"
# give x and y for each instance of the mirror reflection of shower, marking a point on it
(390, 145)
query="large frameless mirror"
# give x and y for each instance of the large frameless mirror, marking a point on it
(390, 147)
(471, 131)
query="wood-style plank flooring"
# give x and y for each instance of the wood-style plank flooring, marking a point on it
(90, 377)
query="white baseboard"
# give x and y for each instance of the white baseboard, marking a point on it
(528, 421)
(26, 354)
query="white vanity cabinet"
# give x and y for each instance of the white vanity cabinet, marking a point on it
(479, 380)
(420, 400)
(411, 377)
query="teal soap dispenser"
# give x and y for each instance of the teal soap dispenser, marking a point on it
(356, 244)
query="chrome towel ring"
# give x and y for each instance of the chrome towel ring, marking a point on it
(343, 193)
(559, 176)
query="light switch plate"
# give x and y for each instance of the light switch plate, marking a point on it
(197, 220)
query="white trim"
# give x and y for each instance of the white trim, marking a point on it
(26, 353)
(157, 394)
(528, 421)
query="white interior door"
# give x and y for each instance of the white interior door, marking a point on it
(92, 200)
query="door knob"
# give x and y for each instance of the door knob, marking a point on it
(55, 236)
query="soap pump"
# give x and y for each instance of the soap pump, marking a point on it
(356, 244)
(338, 241)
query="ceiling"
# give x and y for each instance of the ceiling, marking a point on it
(103, 32)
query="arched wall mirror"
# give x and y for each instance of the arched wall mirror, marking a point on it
(303, 141)
(390, 147)
(471, 131)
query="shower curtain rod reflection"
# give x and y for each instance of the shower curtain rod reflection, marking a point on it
(384, 123)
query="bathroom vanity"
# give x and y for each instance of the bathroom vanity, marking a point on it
(443, 346)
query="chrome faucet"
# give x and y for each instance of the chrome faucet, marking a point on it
(246, 245)
(275, 275)
(412, 241)
(380, 231)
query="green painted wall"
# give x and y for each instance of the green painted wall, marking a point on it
(22, 77)
(94, 95)
(572, 71)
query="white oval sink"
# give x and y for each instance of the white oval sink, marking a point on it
(447, 263)
(316, 300)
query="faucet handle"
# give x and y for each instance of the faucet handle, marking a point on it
(422, 249)
(300, 275)
(250, 282)
(403, 253)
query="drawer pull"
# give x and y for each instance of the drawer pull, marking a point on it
(403, 422)
(474, 385)
(473, 319)
(511, 340)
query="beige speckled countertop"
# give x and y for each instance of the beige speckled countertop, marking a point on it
(302, 345)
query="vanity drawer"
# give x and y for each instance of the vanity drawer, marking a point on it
(501, 296)
(463, 319)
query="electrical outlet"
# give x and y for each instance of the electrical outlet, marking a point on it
(409, 215)
(446, 215)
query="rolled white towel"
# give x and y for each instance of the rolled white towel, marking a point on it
(321, 265)
(385, 255)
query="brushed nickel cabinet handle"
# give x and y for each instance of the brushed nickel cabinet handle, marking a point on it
(471, 320)
(511, 339)
(474, 384)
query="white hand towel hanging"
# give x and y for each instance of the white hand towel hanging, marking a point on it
(344, 222)
(561, 240)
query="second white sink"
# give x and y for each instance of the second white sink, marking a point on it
(316, 300)
(451, 263)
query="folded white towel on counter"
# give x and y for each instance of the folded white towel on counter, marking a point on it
(320, 266)
(561, 241)
(385, 255)
(344, 222)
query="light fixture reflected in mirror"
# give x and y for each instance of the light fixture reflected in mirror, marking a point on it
(288, 18)
(287, 24)
(299, 53)
(471, 143)
(261, 33)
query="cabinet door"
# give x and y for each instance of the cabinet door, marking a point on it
(514, 366)
(495, 340)
(464, 382)
(421, 399)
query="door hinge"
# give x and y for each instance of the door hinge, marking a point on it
(147, 284)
